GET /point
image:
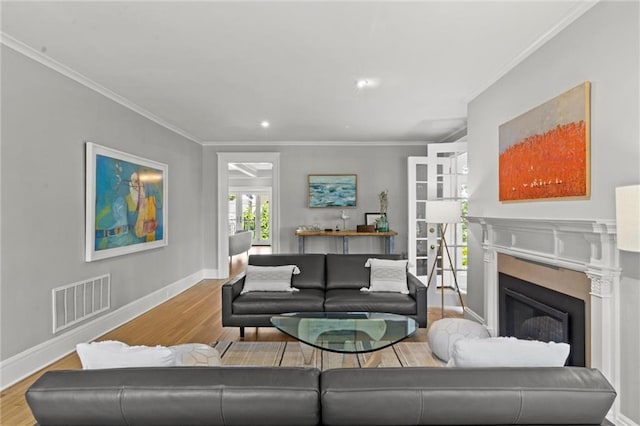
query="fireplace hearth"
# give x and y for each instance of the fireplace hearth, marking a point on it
(529, 311)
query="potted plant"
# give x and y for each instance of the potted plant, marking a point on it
(382, 223)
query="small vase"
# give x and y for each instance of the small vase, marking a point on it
(382, 224)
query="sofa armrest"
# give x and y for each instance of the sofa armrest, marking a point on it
(240, 242)
(419, 292)
(230, 290)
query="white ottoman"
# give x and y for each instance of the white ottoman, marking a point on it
(445, 332)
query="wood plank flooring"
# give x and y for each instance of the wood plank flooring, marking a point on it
(192, 316)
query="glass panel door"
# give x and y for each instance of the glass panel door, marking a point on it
(450, 177)
(441, 175)
(418, 230)
(251, 212)
(263, 220)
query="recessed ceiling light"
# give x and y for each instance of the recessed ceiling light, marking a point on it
(265, 124)
(362, 83)
(367, 83)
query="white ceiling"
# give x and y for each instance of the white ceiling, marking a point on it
(214, 70)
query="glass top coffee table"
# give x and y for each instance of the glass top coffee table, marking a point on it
(345, 332)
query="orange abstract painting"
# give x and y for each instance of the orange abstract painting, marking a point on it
(544, 153)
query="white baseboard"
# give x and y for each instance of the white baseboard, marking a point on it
(471, 313)
(622, 420)
(213, 274)
(25, 363)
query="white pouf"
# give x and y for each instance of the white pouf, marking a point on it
(445, 332)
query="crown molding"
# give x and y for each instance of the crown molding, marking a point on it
(455, 135)
(45, 60)
(574, 14)
(316, 143)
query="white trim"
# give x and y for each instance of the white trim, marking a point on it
(622, 420)
(455, 135)
(580, 9)
(315, 143)
(39, 57)
(37, 357)
(249, 189)
(471, 313)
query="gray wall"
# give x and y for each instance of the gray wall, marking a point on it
(46, 120)
(602, 47)
(378, 168)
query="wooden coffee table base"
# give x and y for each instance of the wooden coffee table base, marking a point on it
(373, 360)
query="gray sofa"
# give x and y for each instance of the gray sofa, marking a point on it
(305, 396)
(327, 282)
(240, 242)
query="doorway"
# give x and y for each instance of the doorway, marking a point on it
(248, 198)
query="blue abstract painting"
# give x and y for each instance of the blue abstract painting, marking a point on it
(332, 190)
(126, 203)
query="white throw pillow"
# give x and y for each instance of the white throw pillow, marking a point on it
(507, 352)
(114, 354)
(269, 278)
(387, 275)
(195, 354)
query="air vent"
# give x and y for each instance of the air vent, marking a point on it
(76, 302)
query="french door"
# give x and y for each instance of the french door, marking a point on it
(251, 211)
(441, 175)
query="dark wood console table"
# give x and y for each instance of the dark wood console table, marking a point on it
(388, 236)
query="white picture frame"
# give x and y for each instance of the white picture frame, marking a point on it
(126, 203)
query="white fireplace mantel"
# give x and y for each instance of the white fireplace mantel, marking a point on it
(585, 245)
(577, 244)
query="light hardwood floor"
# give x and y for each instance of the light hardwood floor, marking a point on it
(192, 316)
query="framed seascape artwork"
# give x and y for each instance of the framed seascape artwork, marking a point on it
(126, 203)
(332, 190)
(545, 152)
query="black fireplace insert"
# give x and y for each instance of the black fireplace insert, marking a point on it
(529, 311)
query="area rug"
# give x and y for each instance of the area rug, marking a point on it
(288, 354)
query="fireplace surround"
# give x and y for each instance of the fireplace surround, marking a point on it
(584, 246)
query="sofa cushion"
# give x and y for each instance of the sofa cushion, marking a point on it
(267, 302)
(345, 300)
(178, 396)
(490, 396)
(269, 278)
(387, 275)
(312, 268)
(347, 271)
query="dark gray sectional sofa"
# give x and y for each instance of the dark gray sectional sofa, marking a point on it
(327, 282)
(305, 396)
